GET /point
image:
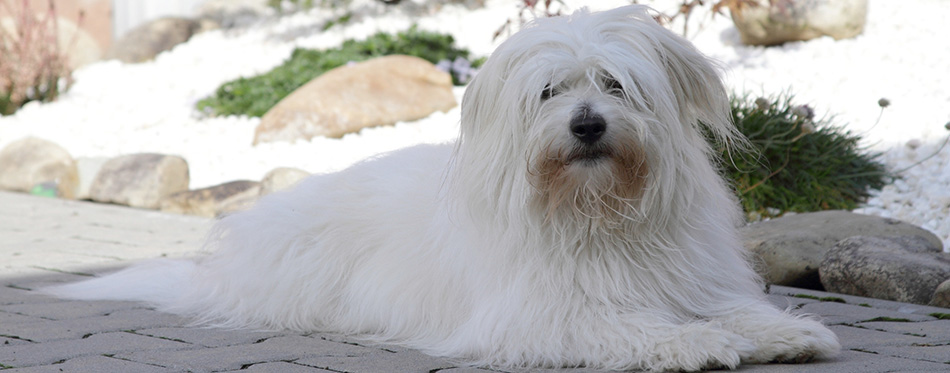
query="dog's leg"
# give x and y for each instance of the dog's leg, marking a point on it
(693, 346)
(780, 336)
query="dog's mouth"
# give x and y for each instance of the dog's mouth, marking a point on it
(587, 156)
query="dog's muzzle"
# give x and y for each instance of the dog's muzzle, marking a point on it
(588, 128)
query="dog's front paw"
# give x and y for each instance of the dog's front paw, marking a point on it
(701, 346)
(798, 341)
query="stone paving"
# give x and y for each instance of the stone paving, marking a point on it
(45, 241)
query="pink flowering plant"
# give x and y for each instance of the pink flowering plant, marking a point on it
(33, 67)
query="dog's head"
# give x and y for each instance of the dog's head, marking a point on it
(592, 113)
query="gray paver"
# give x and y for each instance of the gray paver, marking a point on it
(10, 294)
(853, 362)
(839, 313)
(43, 241)
(280, 367)
(938, 329)
(865, 339)
(53, 330)
(933, 353)
(52, 233)
(379, 361)
(902, 308)
(97, 363)
(96, 344)
(465, 370)
(69, 310)
(11, 341)
(283, 348)
(209, 337)
(14, 318)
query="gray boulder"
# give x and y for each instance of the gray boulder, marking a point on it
(902, 269)
(788, 250)
(32, 162)
(139, 180)
(281, 178)
(145, 42)
(777, 22)
(213, 201)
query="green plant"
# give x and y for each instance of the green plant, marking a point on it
(886, 319)
(32, 65)
(796, 163)
(941, 316)
(822, 299)
(280, 6)
(254, 96)
(337, 21)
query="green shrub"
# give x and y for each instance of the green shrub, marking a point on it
(796, 163)
(254, 96)
(278, 5)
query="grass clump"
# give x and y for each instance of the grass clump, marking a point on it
(941, 316)
(797, 163)
(886, 319)
(822, 299)
(254, 96)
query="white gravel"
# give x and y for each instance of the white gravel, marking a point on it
(116, 108)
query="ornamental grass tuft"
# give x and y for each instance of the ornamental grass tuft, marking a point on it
(796, 163)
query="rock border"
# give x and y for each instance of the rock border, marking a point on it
(789, 251)
(141, 180)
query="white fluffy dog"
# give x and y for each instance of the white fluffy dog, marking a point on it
(578, 221)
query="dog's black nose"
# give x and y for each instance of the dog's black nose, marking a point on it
(588, 128)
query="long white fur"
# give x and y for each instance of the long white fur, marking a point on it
(457, 251)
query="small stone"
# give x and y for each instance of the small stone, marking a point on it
(213, 201)
(139, 180)
(36, 163)
(281, 178)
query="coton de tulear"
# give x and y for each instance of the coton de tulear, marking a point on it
(578, 221)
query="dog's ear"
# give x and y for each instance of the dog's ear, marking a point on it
(486, 127)
(694, 79)
(493, 105)
(698, 88)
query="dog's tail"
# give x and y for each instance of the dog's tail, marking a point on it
(157, 282)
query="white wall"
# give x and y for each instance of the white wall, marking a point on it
(126, 14)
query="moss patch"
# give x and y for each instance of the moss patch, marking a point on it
(823, 299)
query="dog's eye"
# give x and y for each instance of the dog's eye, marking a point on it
(613, 87)
(548, 92)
